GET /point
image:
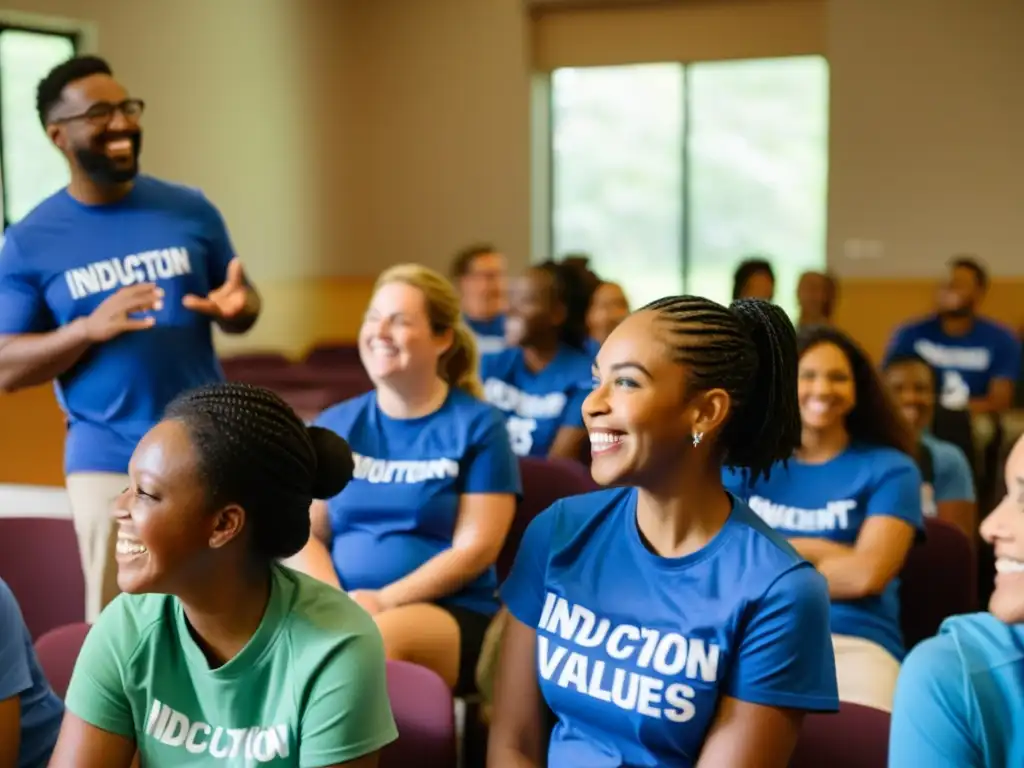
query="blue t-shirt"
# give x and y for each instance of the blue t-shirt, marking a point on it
(967, 363)
(832, 501)
(401, 507)
(538, 404)
(592, 346)
(490, 334)
(634, 651)
(21, 676)
(63, 259)
(953, 479)
(960, 698)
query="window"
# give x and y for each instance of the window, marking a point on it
(31, 168)
(670, 175)
(617, 178)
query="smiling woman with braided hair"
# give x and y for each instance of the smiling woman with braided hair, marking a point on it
(661, 620)
(215, 652)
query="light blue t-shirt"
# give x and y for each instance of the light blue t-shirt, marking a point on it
(63, 259)
(966, 363)
(832, 501)
(960, 698)
(490, 334)
(21, 676)
(402, 504)
(953, 479)
(634, 651)
(538, 404)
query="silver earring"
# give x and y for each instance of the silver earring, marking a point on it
(697, 437)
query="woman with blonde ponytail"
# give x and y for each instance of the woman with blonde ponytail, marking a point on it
(415, 535)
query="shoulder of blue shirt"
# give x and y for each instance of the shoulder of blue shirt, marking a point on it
(573, 513)
(965, 646)
(340, 417)
(951, 467)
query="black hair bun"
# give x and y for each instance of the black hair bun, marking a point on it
(334, 463)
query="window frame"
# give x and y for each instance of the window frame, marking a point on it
(75, 36)
(684, 263)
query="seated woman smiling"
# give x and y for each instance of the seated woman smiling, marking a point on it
(215, 655)
(415, 536)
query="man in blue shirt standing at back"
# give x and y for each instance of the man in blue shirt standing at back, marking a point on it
(111, 286)
(978, 359)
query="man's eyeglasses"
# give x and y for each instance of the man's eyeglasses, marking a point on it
(102, 112)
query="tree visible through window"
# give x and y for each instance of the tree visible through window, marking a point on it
(670, 175)
(31, 168)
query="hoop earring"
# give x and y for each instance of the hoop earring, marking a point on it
(697, 437)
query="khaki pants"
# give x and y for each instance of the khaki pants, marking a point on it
(865, 671)
(92, 496)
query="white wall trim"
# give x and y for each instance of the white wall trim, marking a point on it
(33, 501)
(87, 31)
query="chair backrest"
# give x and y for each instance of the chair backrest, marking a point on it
(855, 737)
(938, 581)
(334, 356)
(249, 366)
(545, 481)
(57, 651)
(424, 711)
(39, 560)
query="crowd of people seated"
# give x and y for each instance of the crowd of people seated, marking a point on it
(250, 573)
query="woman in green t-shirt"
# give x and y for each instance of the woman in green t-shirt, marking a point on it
(215, 654)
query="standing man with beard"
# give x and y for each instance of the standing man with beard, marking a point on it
(978, 359)
(110, 287)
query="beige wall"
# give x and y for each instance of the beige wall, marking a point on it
(927, 120)
(342, 135)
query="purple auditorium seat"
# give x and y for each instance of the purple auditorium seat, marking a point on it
(425, 714)
(39, 560)
(58, 651)
(250, 366)
(855, 737)
(334, 356)
(545, 481)
(938, 581)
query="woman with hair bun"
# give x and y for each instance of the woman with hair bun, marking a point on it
(214, 654)
(415, 536)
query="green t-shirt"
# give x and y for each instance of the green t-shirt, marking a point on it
(309, 689)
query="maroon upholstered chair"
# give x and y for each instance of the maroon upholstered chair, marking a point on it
(57, 651)
(545, 481)
(938, 581)
(854, 737)
(334, 356)
(39, 560)
(425, 714)
(252, 366)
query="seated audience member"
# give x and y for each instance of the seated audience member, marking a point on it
(849, 500)
(415, 536)
(663, 622)
(215, 654)
(608, 308)
(979, 359)
(30, 713)
(816, 294)
(948, 490)
(480, 275)
(754, 279)
(541, 380)
(960, 697)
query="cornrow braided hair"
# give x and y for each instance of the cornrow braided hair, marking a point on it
(254, 451)
(749, 350)
(573, 289)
